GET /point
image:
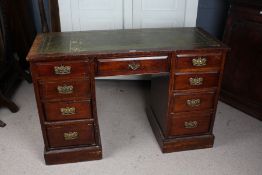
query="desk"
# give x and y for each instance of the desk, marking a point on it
(186, 66)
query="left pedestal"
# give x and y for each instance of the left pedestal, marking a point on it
(65, 95)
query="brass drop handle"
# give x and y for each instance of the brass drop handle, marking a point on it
(197, 81)
(62, 70)
(68, 111)
(65, 89)
(71, 135)
(198, 62)
(191, 124)
(193, 102)
(134, 66)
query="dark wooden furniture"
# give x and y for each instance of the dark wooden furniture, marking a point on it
(53, 13)
(2, 124)
(242, 83)
(17, 32)
(9, 79)
(186, 66)
(23, 31)
(10, 70)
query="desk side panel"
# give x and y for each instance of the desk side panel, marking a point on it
(159, 99)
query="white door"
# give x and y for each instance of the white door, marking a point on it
(81, 15)
(164, 13)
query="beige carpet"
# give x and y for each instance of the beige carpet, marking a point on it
(129, 146)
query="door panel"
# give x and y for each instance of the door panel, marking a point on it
(81, 15)
(157, 13)
(168, 13)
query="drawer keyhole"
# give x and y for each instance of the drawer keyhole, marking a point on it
(198, 62)
(191, 124)
(65, 89)
(62, 70)
(193, 102)
(134, 66)
(68, 111)
(71, 135)
(196, 81)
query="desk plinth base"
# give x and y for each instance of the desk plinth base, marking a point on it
(168, 145)
(73, 155)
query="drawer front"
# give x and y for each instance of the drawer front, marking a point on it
(61, 69)
(65, 89)
(127, 66)
(73, 134)
(190, 124)
(69, 110)
(198, 62)
(196, 81)
(192, 102)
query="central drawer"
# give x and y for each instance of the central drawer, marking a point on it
(70, 134)
(129, 66)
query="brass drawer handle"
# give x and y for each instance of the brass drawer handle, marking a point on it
(196, 81)
(134, 66)
(65, 89)
(198, 62)
(71, 135)
(193, 102)
(62, 70)
(68, 111)
(191, 124)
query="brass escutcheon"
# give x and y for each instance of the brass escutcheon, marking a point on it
(134, 66)
(71, 135)
(65, 89)
(68, 111)
(196, 81)
(191, 124)
(199, 61)
(62, 70)
(193, 102)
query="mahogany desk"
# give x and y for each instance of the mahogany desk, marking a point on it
(186, 66)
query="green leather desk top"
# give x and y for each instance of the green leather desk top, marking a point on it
(121, 41)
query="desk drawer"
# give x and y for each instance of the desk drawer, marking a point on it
(196, 81)
(127, 66)
(65, 89)
(187, 124)
(185, 63)
(192, 102)
(61, 69)
(69, 110)
(70, 134)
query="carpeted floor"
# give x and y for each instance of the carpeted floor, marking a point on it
(129, 146)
